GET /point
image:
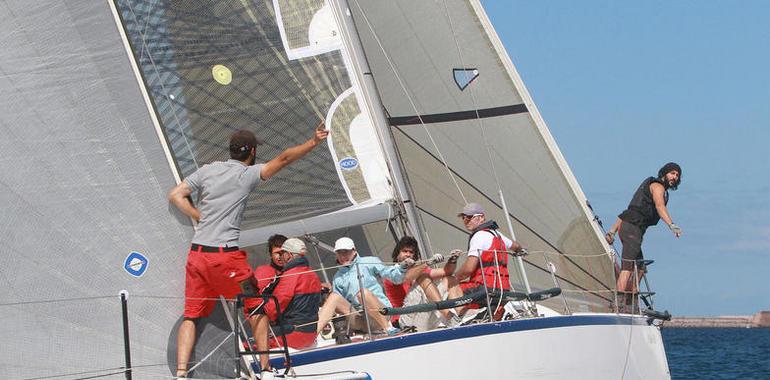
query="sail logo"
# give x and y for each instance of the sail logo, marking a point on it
(348, 163)
(135, 264)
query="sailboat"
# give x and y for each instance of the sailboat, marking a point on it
(108, 104)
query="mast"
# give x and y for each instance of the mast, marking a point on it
(363, 76)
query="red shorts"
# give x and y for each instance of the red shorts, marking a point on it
(296, 340)
(209, 275)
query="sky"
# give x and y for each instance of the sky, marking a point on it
(625, 87)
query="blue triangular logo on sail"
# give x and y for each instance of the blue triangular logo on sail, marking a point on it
(135, 264)
(464, 77)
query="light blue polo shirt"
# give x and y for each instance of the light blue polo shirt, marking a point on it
(223, 188)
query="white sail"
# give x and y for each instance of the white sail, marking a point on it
(466, 129)
(109, 104)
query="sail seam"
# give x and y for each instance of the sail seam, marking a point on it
(458, 115)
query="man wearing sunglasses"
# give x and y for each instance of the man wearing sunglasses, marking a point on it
(487, 262)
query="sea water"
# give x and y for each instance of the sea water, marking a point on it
(717, 353)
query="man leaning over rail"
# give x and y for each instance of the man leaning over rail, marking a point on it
(215, 264)
(487, 262)
(647, 207)
(423, 284)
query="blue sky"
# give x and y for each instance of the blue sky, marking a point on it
(628, 86)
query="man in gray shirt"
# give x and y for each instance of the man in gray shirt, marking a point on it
(215, 264)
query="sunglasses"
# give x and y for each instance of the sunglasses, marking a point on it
(466, 218)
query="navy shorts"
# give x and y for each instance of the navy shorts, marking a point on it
(631, 236)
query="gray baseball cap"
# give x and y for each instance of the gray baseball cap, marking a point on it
(471, 209)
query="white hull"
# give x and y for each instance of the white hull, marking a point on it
(595, 346)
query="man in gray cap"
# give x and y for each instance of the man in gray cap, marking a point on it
(487, 262)
(299, 297)
(647, 207)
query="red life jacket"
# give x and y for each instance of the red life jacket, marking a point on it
(492, 272)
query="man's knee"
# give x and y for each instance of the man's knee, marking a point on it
(368, 296)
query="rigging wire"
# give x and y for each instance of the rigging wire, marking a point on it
(146, 47)
(410, 99)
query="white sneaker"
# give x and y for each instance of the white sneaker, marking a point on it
(267, 375)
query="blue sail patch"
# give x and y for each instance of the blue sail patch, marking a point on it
(348, 163)
(464, 77)
(135, 264)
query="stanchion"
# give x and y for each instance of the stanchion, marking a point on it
(126, 342)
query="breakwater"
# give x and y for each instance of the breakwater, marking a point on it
(760, 319)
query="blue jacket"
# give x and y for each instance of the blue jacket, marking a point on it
(372, 272)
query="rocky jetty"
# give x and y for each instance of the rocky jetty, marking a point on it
(760, 319)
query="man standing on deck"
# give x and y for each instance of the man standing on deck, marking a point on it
(422, 284)
(646, 208)
(487, 262)
(215, 264)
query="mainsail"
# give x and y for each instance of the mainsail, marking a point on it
(109, 104)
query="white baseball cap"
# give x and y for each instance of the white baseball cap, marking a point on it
(344, 243)
(295, 246)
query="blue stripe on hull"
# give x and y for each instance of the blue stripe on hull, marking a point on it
(443, 335)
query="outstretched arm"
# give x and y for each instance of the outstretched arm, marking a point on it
(294, 153)
(658, 192)
(180, 197)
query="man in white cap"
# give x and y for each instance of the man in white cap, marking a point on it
(487, 262)
(346, 290)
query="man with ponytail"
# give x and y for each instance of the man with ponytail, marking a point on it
(646, 208)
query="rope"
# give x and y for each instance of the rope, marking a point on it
(587, 291)
(162, 85)
(211, 353)
(473, 101)
(55, 300)
(122, 370)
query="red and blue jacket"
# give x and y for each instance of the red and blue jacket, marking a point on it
(299, 295)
